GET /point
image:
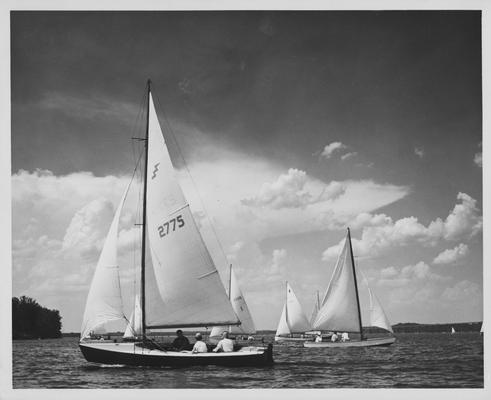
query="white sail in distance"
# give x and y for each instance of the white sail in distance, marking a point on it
(104, 303)
(339, 308)
(187, 280)
(134, 327)
(239, 305)
(293, 319)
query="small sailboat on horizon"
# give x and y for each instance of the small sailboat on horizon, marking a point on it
(180, 286)
(293, 321)
(452, 331)
(340, 308)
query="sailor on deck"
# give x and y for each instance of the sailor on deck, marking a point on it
(225, 345)
(181, 341)
(199, 346)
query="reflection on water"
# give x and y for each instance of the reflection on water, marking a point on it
(415, 360)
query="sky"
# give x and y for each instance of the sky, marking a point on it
(285, 129)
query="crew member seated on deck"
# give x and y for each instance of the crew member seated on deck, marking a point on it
(225, 345)
(344, 337)
(180, 342)
(199, 346)
(334, 337)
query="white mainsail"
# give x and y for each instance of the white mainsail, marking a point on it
(134, 327)
(104, 303)
(293, 319)
(190, 290)
(339, 308)
(377, 315)
(240, 307)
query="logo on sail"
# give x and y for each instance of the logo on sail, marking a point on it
(156, 168)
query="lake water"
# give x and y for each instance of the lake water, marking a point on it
(427, 360)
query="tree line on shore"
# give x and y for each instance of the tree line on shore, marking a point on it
(32, 321)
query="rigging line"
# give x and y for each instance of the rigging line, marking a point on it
(138, 119)
(169, 128)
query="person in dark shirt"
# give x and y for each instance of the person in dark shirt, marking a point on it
(181, 342)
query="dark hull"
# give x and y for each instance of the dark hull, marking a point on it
(104, 355)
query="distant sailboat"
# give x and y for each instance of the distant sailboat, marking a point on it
(315, 309)
(180, 287)
(452, 331)
(340, 307)
(293, 320)
(134, 328)
(239, 305)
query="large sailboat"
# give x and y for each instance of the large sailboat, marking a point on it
(293, 323)
(239, 305)
(179, 288)
(340, 308)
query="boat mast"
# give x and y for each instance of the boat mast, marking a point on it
(356, 286)
(144, 223)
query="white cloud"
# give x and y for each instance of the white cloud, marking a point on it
(287, 191)
(349, 155)
(451, 256)
(463, 291)
(478, 159)
(331, 148)
(419, 151)
(380, 233)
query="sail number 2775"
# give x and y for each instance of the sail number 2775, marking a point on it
(170, 226)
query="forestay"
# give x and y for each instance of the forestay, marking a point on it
(293, 319)
(104, 303)
(190, 290)
(339, 308)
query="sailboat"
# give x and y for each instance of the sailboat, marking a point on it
(134, 328)
(179, 288)
(452, 331)
(340, 307)
(293, 320)
(239, 305)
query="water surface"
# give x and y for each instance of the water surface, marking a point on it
(426, 360)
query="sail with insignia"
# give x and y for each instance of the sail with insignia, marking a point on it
(190, 291)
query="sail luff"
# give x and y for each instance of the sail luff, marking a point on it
(144, 216)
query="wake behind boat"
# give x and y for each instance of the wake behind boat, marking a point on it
(179, 288)
(340, 308)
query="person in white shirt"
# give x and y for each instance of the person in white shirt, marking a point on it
(334, 337)
(226, 345)
(318, 339)
(199, 346)
(344, 337)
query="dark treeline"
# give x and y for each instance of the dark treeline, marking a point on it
(31, 321)
(459, 327)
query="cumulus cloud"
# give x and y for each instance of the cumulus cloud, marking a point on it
(349, 155)
(463, 290)
(478, 159)
(397, 277)
(287, 191)
(331, 148)
(88, 227)
(419, 151)
(451, 256)
(381, 233)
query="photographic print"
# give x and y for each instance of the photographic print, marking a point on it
(246, 199)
